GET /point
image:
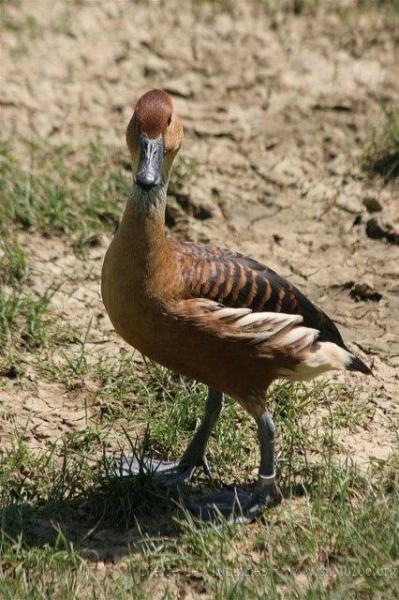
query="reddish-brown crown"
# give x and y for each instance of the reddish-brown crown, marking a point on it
(153, 112)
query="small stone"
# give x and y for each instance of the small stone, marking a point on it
(364, 291)
(11, 372)
(372, 204)
(374, 229)
(377, 230)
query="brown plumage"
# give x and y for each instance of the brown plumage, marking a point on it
(214, 315)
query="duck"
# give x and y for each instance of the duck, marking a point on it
(208, 313)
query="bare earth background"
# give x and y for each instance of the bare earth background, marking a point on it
(277, 109)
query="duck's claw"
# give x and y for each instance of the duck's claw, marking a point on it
(205, 465)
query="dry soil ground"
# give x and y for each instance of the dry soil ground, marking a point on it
(278, 109)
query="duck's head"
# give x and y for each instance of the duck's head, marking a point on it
(153, 136)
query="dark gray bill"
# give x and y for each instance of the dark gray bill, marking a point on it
(150, 164)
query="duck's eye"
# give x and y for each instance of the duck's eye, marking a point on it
(170, 119)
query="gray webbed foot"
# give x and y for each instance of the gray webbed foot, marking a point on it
(235, 505)
(162, 473)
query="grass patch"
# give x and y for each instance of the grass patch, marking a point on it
(24, 319)
(27, 321)
(13, 264)
(54, 197)
(24, 316)
(61, 518)
(382, 154)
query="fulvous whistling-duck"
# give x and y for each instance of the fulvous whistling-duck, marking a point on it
(207, 313)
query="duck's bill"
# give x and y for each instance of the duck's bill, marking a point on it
(150, 164)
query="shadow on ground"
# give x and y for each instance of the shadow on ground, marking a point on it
(111, 519)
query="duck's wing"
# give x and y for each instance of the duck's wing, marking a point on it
(231, 280)
(240, 282)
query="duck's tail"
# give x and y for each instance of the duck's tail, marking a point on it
(326, 356)
(356, 364)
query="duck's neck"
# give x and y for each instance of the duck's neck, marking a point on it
(142, 229)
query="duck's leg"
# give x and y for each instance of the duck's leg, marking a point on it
(266, 492)
(175, 474)
(238, 505)
(194, 455)
(195, 451)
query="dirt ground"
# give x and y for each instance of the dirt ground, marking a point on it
(277, 109)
